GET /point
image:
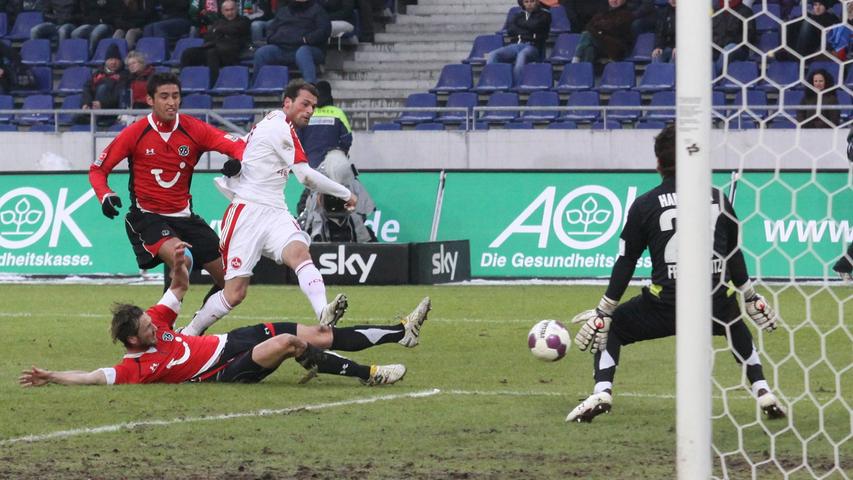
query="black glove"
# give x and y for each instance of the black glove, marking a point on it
(110, 206)
(231, 167)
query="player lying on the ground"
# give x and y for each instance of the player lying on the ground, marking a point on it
(651, 224)
(157, 354)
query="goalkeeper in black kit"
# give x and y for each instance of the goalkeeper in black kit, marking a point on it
(651, 224)
(844, 266)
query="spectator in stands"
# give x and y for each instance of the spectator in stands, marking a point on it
(202, 14)
(727, 32)
(607, 34)
(61, 17)
(820, 94)
(840, 38)
(527, 32)
(298, 35)
(8, 58)
(96, 20)
(645, 16)
(664, 50)
(174, 21)
(262, 13)
(328, 130)
(223, 42)
(104, 89)
(807, 39)
(368, 11)
(139, 13)
(580, 12)
(138, 73)
(340, 14)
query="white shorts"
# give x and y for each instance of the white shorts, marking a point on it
(250, 231)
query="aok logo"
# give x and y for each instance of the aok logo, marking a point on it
(27, 214)
(585, 218)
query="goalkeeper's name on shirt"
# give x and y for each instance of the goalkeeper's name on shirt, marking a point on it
(717, 266)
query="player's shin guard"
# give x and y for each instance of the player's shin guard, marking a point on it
(329, 362)
(312, 285)
(213, 309)
(353, 339)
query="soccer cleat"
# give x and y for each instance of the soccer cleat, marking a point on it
(385, 374)
(310, 374)
(412, 324)
(771, 406)
(334, 311)
(594, 405)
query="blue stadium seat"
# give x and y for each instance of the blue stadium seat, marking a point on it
(271, 80)
(765, 22)
(100, 54)
(162, 69)
(495, 77)
(740, 123)
(781, 122)
(4, 24)
(195, 79)
(36, 102)
(467, 100)
(390, 126)
(232, 79)
(782, 74)
(718, 104)
(241, 102)
(609, 125)
(650, 125)
(478, 126)
(455, 77)
(71, 102)
(44, 81)
(483, 44)
(42, 127)
(519, 125)
(559, 21)
(582, 99)
(754, 98)
(80, 127)
(624, 98)
(541, 99)
(501, 99)
(796, 12)
(740, 74)
(564, 48)
(767, 41)
(535, 77)
(199, 101)
(418, 100)
(153, 48)
(183, 44)
(657, 77)
(575, 77)
(510, 14)
(72, 81)
(565, 125)
(36, 52)
(617, 76)
(6, 103)
(791, 98)
(72, 52)
(844, 99)
(24, 22)
(643, 46)
(5, 127)
(430, 126)
(662, 99)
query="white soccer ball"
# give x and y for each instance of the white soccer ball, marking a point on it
(548, 340)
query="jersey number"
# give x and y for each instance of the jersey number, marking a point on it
(667, 223)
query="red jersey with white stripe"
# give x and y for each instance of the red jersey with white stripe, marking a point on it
(161, 158)
(271, 150)
(175, 358)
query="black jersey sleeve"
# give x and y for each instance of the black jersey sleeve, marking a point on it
(735, 264)
(632, 243)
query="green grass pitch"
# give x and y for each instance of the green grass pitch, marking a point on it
(475, 404)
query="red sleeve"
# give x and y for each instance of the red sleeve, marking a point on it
(298, 152)
(162, 316)
(126, 374)
(116, 151)
(218, 141)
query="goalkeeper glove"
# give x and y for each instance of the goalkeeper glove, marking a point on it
(595, 326)
(758, 309)
(110, 205)
(231, 167)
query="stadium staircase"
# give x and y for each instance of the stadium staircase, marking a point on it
(408, 57)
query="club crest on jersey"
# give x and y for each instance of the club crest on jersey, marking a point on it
(183, 151)
(228, 136)
(149, 151)
(236, 262)
(165, 232)
(168, 337)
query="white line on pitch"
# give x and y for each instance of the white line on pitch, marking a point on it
(257, 413)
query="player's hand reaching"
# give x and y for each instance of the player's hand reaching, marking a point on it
(110, 206)
(34, 377)
(595, 326)
(759, 310)
(231, 167)
(350, 204)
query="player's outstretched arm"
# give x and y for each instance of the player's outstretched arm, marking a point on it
(180, 273)
(38, 377)
(316, 181)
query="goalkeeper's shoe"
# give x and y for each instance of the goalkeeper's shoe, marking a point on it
(412, 324)
(310, 374)
(771, 406)
(334, 311)
(594, 405)
(385, 374)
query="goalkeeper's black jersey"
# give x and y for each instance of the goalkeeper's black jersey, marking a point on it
(651, 224)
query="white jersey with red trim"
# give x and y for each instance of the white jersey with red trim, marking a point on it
(272, 149)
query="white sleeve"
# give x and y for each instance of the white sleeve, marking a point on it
(318, 182)
(170, 300)
(110, 373)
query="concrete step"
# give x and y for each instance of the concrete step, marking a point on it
(372, 94)
(451, 18)
(393, 66)
(410, 56)
(370, 103)
(409, 85)
(441, 29)
(418, 46)
(479, 9)
(382, 75)
(398, 37)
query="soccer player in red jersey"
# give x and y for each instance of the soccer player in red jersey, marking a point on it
(162, 150)
(158, 354)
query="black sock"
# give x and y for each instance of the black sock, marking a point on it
(353, 339)
(332, 363)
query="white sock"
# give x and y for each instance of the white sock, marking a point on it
(213, 309)
(312, 285)
(602, 386)
(759, 385)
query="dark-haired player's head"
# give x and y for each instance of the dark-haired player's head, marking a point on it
(300, 98)
(132, 327)
(164, 95)
(665, 151)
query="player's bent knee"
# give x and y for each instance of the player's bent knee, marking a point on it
(290, 344)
